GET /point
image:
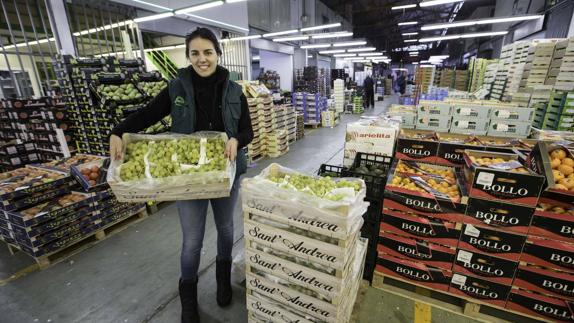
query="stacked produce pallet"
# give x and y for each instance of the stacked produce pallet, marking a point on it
(300, 126)
(478, 70)
(461, 80)
(560, 112)
(537, 64)
(514, 78)
(539, 100)
(388, 86)
(556, 63)
(339, 95)
(151, 84)
(499, 85)
(73, 203)
(312, 79)
(323, 248)
(490, 76)
(256, 148)
(424, 78)
(310, 105)
(447, 78)
(358, 106)
(276, 143)
(437, 77)
(17, 153)
(564, 78)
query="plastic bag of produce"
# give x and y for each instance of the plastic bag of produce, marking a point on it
(170, 167)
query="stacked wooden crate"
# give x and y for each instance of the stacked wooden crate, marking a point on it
(276, 143)
(437, 77)
(339, 94)
(304, 260)
(537, 64)
(490, 76)
(560, 112)
(461, 80)
(310, 105)
(255, 148)
(285, 118)
(539, 102)
(446, 78)
(424, 78)
(300, 126)
(565, 76)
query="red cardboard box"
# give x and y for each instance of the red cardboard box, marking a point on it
(414, 272)
(419, 145)
(436, 208)
(549, 308)
(495, 269)
(432, 230)
(540, 161)
(548, 253)
(451, 148)
(501, 185)
(493, 242)
(545, 281)
(547, 222)
(478, 288)
(509, 217)
(416, 250)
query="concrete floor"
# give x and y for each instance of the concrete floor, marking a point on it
(132, 276)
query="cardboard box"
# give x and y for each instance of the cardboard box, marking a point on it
(482, 265)
(416, 250)
(493, 242)
(499, 184)
(417, 145)
(428, 206)
(482, 289)
(471, 111)
(434, 108)
(451, 148)
(545, 281)
(550, 308)
(551, 254)
(414, 271)
(539, 161)
(466, 125)
(548, 223)
(432, 230)
(511, 129)
(512, 114)
(509, 217)
(434, 122)
(370, 136)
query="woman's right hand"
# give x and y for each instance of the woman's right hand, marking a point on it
(116, 147)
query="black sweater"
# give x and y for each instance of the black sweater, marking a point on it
(208, 93)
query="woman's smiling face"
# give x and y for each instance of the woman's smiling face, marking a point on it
(203, 56)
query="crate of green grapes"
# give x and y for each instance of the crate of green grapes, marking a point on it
(170, 167)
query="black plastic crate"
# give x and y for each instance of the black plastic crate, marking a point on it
(375, 182)
(330, 170)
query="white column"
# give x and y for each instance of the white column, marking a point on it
(60, 26)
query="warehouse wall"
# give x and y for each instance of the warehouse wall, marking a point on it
(281, 63)
(27, 66)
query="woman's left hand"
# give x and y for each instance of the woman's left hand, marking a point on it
(231, 149)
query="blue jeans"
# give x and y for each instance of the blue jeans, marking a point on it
(192, 215)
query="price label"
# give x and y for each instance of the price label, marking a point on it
(503, 114)
(501, 127)
(465, 111)
(463, 124)
(485, 179)
(464, 256)
(472, 231)
(459, 279)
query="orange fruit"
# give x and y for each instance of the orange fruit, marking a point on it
(560, 187)
(557, 175)
(555, 163)
(565, 169)
(568, 161)
(568, 183)
(558, 153)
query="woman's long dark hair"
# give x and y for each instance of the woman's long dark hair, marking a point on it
(205, 34)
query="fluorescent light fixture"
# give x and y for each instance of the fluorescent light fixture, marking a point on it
(408, 23)
(411, 40)
(437, 2)
(332, 35)
(294, 38)
(279, 33)
(415, 63)
(199, 7)
(217, 22)
(471, 35)
(410, 34)
(351, 43)
(164, 48)
(234, 1)
(486, 21)
(154, 17)
(345, 55)
(152, 4)
(309, 56)
(370, 54)
(315, 46)
(365, 49)
(377, 57)
(338, 24)
(333, 51)
(354, 58)
(439, 57)
(407, 6)
(426, 65)
(414, 54)
(241, 38)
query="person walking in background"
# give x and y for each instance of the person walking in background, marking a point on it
(368, 85)
(402, 83)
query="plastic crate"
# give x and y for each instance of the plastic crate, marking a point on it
(375, 183)
(330, 170)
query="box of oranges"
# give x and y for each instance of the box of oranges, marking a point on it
(451, 148)
(556, 163)
(553, 219)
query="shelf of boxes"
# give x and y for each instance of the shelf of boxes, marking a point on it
(335, 266)
(565, 78)
(560, 112)
(339, 95)
(537, 64)
(461, 80)
(310, 105)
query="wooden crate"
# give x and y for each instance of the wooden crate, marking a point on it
(262, 309)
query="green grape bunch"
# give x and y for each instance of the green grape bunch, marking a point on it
(315, 186)
(126, 91)
(153, 88)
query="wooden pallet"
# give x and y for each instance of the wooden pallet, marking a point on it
(90, 240)
(313, 125)
(445, 301)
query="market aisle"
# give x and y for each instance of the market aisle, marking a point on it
(132, 276)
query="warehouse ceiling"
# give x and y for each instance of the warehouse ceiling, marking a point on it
(375, 21)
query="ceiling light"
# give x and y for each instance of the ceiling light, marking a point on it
(464, 23)
(411, 40)
(279, 33)
(199, 7)
(410, 34)
(309, 56)
(242, 38)
(354, 58)
(154, 17)
(407, 6)
(437, 2)
(471, 35)
(217, 22)
(352, 43)
(256, 58)
(415, 63)
(315, 46)
(376, 57)
(345, 55)
(408, 23)
(333, 51)
(365, 49)
(234, 1)
(294, 38)
(152, 4)
(439, 57)
(370, 54)
(338, 24)
(332, 35)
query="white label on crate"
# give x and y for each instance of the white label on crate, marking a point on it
(472, 231)
(503, 114)
(465, 111)
(464, 256)
(463, 124)
(501, 127)
(459, 279)
(485, 179)
(11, 150)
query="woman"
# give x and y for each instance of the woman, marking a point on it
(201, 98)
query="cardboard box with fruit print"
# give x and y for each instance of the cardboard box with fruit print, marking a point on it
(556, 163)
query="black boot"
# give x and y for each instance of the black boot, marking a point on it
(188, 297)
(223, 276)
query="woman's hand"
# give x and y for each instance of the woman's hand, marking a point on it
(231, 149)
(116, 147)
